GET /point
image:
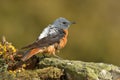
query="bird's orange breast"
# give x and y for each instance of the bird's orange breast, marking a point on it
(63, 41)
(52, 48)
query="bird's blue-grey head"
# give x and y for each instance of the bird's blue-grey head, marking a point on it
(62, 23)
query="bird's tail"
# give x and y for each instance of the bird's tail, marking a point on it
(30, 53)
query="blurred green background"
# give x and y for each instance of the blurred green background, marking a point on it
(95, 37)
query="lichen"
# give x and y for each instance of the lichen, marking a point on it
(78, 70)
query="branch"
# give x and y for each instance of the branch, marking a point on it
(57, 69)
(78, 70)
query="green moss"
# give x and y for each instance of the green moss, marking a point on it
(79, 70)
(49, 73)
(3, 66)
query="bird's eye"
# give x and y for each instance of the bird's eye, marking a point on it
(64, 22)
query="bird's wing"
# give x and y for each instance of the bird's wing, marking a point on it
(51, 29)
(44, 32)
(48, 40)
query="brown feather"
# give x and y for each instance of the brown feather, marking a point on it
(46, 41)
(31, 53)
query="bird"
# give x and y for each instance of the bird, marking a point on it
(51, 40)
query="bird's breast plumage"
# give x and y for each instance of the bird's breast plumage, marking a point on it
(63, 40)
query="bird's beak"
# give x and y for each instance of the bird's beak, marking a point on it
(73, 22)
